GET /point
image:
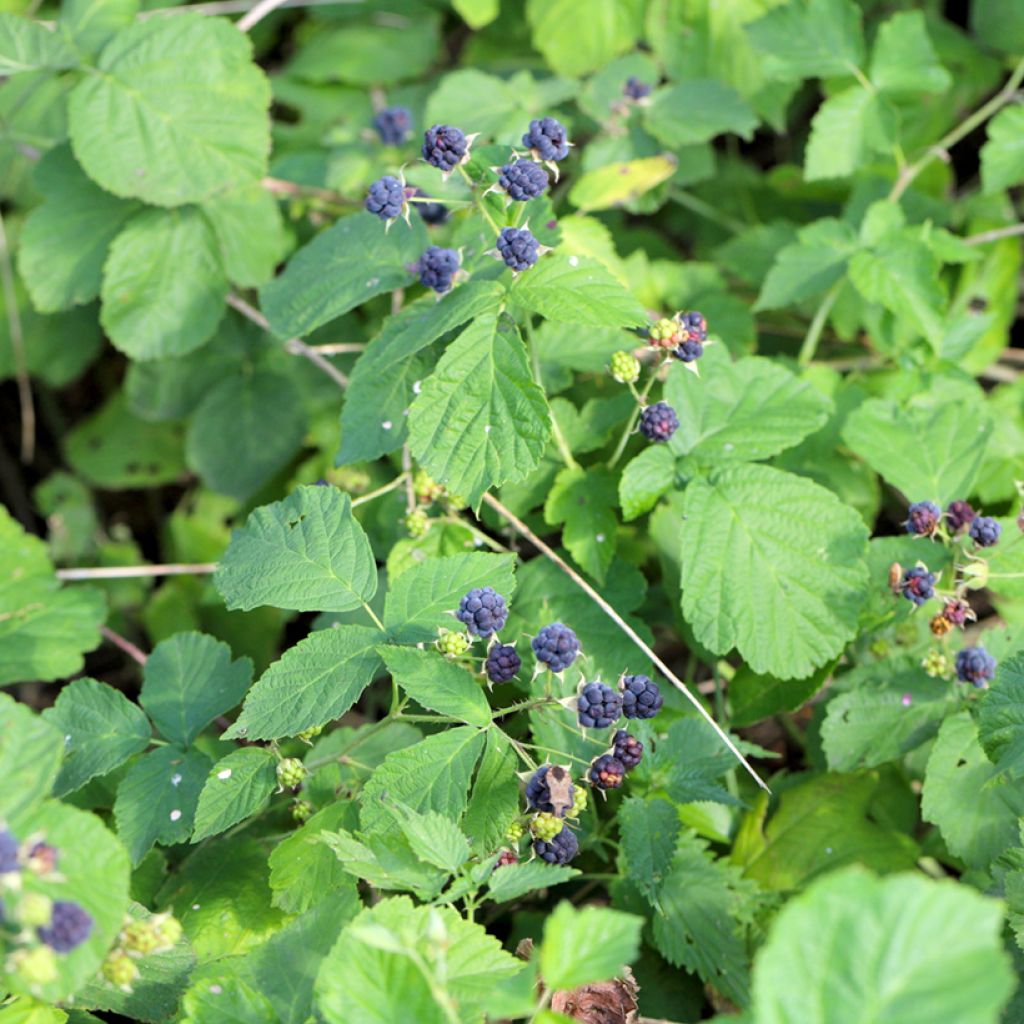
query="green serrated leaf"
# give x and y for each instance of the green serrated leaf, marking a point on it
(306, 553)
(434, 839)
(1001, 717)
(515, 880)
(30, 754)
(188, 681)
(159, 126)
(238, 786)
(312, 683)
(847, 130)
(750, 536)
(583, 500)
(438, 684)
(385, 862)
(25, 45)
(809, 266)
(573, 45)
(250, 233)
(101, 730)
(91, 24)
(645, 478)
(810, 39)
(621, 182)
(649, 829)
(494, 801)
(480, 419)
(903, 60)
(587, 945)
(1002, 156)
(696, 111)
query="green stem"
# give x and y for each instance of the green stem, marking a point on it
(478, 201)
(525, 705)
(556, 430)
(631, 422)
(380, 492)
(813, 336)
(706, 210)
(373, 615)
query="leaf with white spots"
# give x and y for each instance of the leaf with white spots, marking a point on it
(238, 786)
(584, 501)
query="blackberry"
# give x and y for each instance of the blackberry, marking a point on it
(634, 89)
(923, 518)
(598, 706)
(694, 325)
(547, 138)
(665, 333)
(560, 850)
(437, 267)
(444, 147)
(514, 832)
(290, 772)
(550, 790)
(35, 966)
(959, 515)
(936, 664)
(957, 612)
(625, 367)
(502, 663)
(8, 853)
(975, 665)
(918, 585)
(168, 929)
(640, 697)
(658, 422)
(70, 925)
(505, 858)
(556, 646)
(688, 351)
(393, 125)
(523, 180)
(518, 248)
(483, 611)
(607, 772)
(386, 198)
(628, 749)
(985, 531)
(940, 625)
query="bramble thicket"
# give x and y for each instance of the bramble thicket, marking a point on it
(512, 511)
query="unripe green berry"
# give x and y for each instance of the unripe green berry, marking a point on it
(34, 909)
(456, 501)
(168, 930)
(425, 487)
(664, 333)
(546, 826)
(579, 801)
(451, 644)
(936, 664)
(302, 811)
(120, 969)
(417, 523)
(310, 734)
(36, 966)
(141, 937)
(290, 772)
(625, 367)
(515, 832)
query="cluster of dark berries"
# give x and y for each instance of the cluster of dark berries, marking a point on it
(393, 125)
(598, 706)
(550, 790)
(641, 698)
(917, 585)
(975, 665)
(386, 198)
(923, 518)
(547, 139)
(627, 749)
(684, 335)
(556, 647)
(70, 925)
(608, 770)
(959, 515)
(985, 531)
(518, 248)
(483, 611)
(502, 663)
(437, 267)
(658, 422)
(523, 180)
(444, 147)
(634, 89)
(559, 850)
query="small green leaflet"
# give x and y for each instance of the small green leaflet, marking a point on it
(157, 125)
(494, 801)
(587, 945)
(574, 45)
(645, 478)
(26, 45)
(434, 839)
(847, 130)
(188, 681)
(101, 727)
(649, 829)
(156, 800)
(237, 787)
(1001, 717)
(810, 39)
(809, 266)
(438, 684)
(888, 944)
(385, 861)
(422, 599)
(250, 233)
(1002, 156)
(577, 290)
(697, 110)
(930, 449)
(750, 537)
(516, 880)
(386, 377)
(341, 268)
(30, 754)
(91, 24)
(312, 683)
(480, 420)
(584, 501)
(306, 553)
(433, 775)
(903, 60)
(741, 411)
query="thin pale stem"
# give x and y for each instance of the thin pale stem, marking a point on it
(28, 408)
(984, 237)
(373, 615)
(256, 14)
(478, 201)
(238, 7)
(381, 491)
(556, 431)
(706, 210)
(133, 652)
(296, 346)
(813, 336)
(127, 572)
(339, 348)
(641, 400)
(626, 628)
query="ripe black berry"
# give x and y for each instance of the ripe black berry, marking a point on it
(523, 180)
(444, 146)
(634, 89)
(628, 749)
(556, 646)
(688, 351)
(959, 514)
(975, 665)
(70, 925)
(985, 531)
(607, 772)
(518, 248)
(386, 198)
(437, 267)
(560, 850)
(502, 663)
(918, 585)
(8, 852)
(658, 422)
(550, 790)
(923, 518)
(640, 697)
(483, 611)
(957, 612)
(393, 125)
(598, 706)
(547, 138)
